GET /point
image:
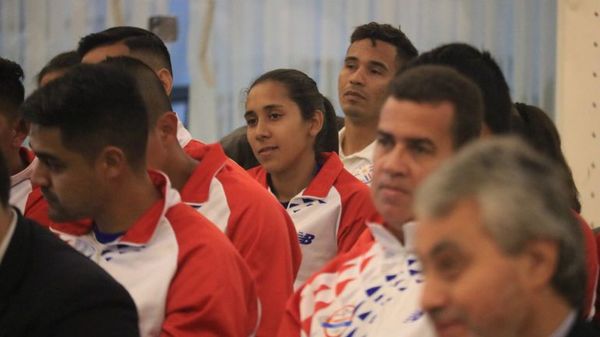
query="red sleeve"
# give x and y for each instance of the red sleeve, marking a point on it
(591, 263)
(36, 208)
(212, 292)
(290, 324)
(357, 210)
(265, 236)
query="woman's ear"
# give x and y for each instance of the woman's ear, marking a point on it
(316, 123)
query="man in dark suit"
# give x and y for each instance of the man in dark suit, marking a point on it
(49, 289)
(502, 253)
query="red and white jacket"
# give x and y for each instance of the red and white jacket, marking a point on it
(373, 290)
(329, 214)
(185, 277)
(25, 196)
(253, 220)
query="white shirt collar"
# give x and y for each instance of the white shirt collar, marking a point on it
(183, 135)
(25, 174)
(9, 234)
(389, 242)
(366, 153)
(565, 326)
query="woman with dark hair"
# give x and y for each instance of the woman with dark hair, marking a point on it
(292, 132)
(535, 127)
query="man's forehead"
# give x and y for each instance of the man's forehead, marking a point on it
(44, 137)
(400, 116)
(380, 51)
(461, 224)
(100, 53)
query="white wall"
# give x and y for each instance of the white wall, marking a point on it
(578, 97)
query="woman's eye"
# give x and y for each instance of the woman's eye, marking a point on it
(250, 121)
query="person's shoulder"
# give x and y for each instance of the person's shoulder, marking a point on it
(192, 229)
(66, 290)
(63, 265)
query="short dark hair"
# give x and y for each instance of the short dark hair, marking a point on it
(304, 92)
(60, 62)
(141, 42)
(155, 99)
(4, 183)
(12, 92)
(481, 68)
(437, 84)
(93, 106)
(374, 31)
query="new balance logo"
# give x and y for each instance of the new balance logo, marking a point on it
(298, 205)
(305, 238)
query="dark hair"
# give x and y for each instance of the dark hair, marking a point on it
(12, 91)
(4, 182)
(142, 43)
(93, 106)
(539, 131)
(374, 31)
(481, 68)
(60, 62)
(304, 92)
(155, 99)
(437, 84)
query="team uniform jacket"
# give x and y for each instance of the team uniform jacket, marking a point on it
(253, 220)
(26, 197)
(185, 277)
(374, 290)
(360, 164)
(329, 215)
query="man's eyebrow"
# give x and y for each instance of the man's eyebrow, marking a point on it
(420, 141)
(444, 247)
(350, 58)
(378, 64)
(44, 155)
(383, 133)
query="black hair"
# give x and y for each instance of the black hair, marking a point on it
(141, 42)
(93, 106)
(304, 92)
(4, 183)
(155, 99)
(374, 31)
(437, 84)
(539, 131)
(60, 62)
(12, 92)
(481, 68)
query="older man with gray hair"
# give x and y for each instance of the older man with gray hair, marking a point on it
(502, 253)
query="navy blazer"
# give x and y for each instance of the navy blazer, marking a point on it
(49, 289)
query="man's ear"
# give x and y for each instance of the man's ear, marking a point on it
(20, 132)
(166, 78)
(111, 162)
(316, 123)
(540, 262)
(167, 124)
